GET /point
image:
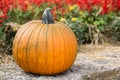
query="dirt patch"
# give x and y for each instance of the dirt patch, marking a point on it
(88, 48)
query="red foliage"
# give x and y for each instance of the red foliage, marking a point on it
(117, 4)
(37, 2)
(106, 5)
(84, 4)
(6, 5)
(96, 2)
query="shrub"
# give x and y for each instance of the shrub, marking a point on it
(92, 27)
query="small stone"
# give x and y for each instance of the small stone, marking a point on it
(1, 73)
(104, 75)
(20, 78)
(11, 79)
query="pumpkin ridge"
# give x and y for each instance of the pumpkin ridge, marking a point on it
(53, 53)
(19, 40)
(31, 43)
(18, 45)
(60, 35)
(37, 48)
(60, 32)
(71, 37)
(68, 29)
(53, 68)
(65, 39)
(28, 45)
(47, 27)
(42, 50)
(71, 32)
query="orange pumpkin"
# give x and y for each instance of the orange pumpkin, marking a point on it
(45, 47)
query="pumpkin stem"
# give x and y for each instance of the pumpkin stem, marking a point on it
(47, 17)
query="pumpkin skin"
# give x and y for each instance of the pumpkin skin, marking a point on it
(45, 49)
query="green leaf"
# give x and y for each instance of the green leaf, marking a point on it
(96, 23)
(1, 34)
(90, 19)
(102, 21)
(101, 28)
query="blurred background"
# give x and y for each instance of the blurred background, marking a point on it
(92, 21)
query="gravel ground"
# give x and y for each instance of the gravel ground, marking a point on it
(87, 62)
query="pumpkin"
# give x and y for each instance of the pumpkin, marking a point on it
(45, 46)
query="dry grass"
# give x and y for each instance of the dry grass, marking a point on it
(89, 48)
(4, 58)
